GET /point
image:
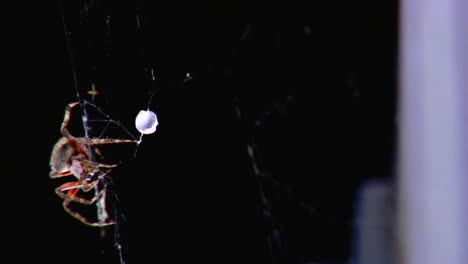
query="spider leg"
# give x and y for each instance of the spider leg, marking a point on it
(97, 164)
(103, 141)
(71, 188)
(81, 218)
(58, 174)
(66, 119)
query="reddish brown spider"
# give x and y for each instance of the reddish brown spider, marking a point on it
(71, 156)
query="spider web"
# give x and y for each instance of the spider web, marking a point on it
(94, 51)
(98, 96)
(301, 204)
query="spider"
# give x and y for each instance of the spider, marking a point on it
(71, 156)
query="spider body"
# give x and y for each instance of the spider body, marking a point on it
(72, 156)
(64, 154)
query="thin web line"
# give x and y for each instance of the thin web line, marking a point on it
(100, 204)
(71, 57)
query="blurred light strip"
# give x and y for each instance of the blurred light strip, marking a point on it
(433, 131)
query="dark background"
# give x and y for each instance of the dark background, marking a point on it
(315, 96)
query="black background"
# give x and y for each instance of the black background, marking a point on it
(319, 78)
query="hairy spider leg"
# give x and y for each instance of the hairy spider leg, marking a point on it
(66, 119)
(72, 189)
(97, 164)
(84, 140)
(58, 174)
(99, 141)
(81, 218)
(103, 141)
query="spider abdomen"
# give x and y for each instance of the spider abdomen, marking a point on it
(60, 160)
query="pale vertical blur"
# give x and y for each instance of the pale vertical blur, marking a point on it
(433, 123)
